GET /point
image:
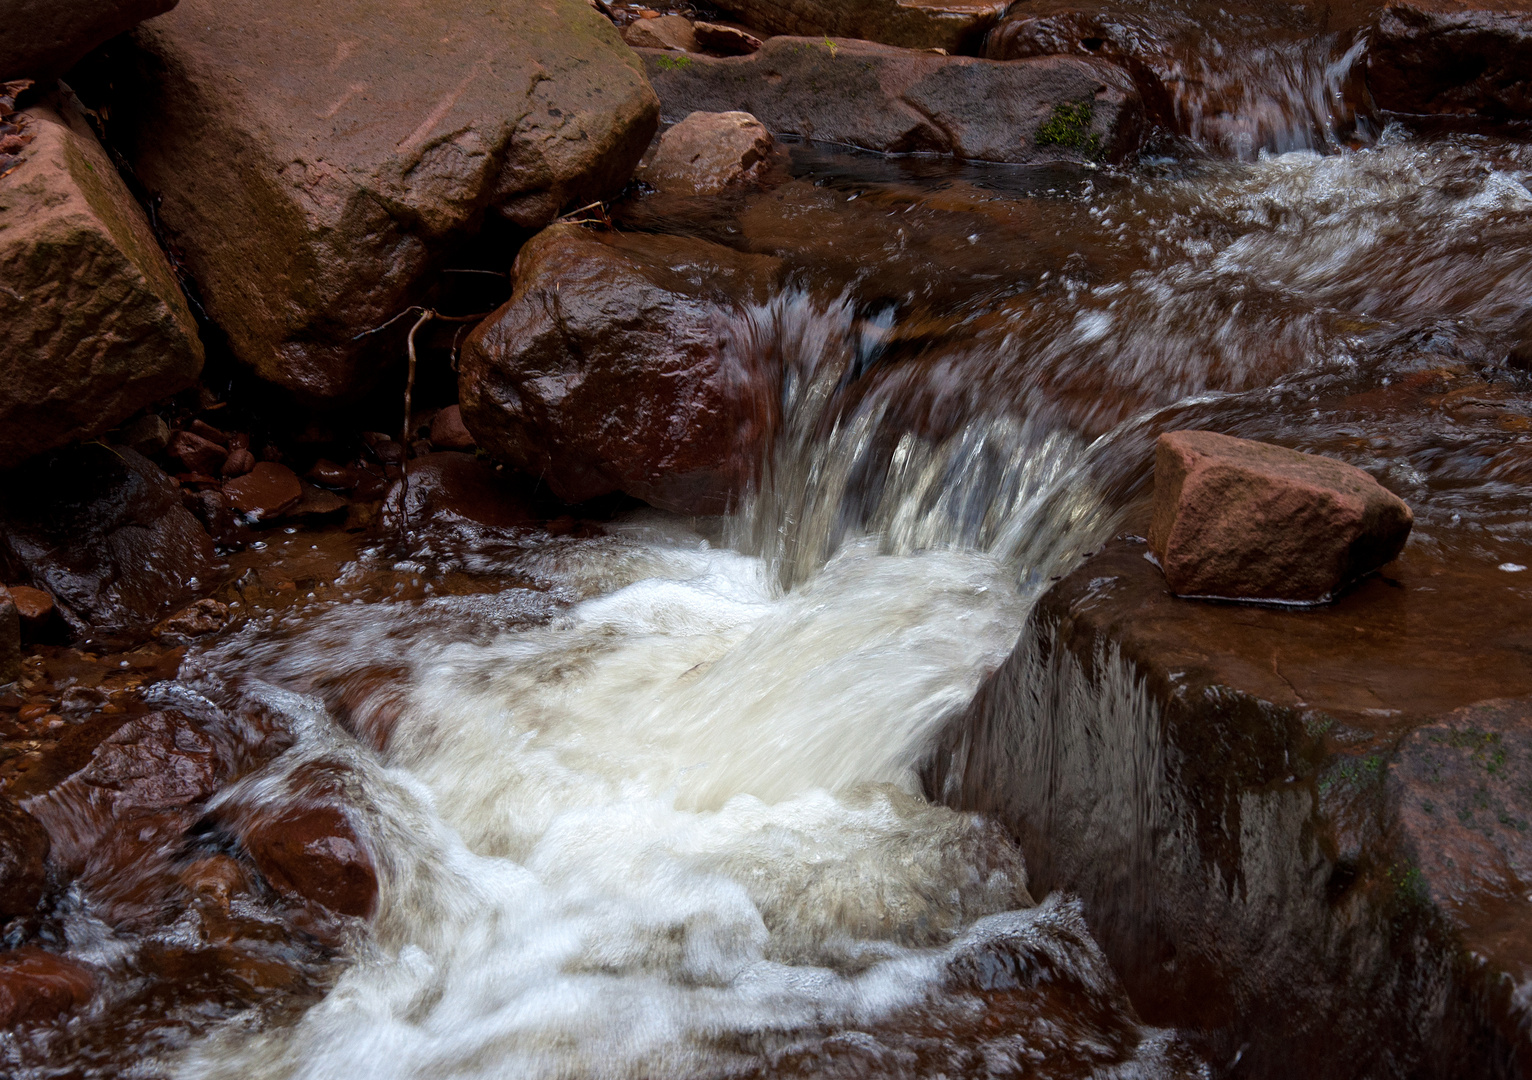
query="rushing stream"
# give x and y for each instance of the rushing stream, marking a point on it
(651, 806)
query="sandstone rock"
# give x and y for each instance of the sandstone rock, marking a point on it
(45, 38)
(238, 463)
(706, 152)
(36, 985)
(452, 490)
(896, 100)
(269, 490)
(10, 638)
(1246, 520)
(1453, 58)
(448, 432)
(91, 315)
(312, 853)
(666, 32)
(204, 617)
(197, 454)
(955, 25)
(317, 503)
(23, 860)
(40, 619)
(317, 164)
(724, 40)
(606, 370)
(105, 533)
(149, 435)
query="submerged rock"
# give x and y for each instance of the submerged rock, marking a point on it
(91, 319)
(1453, 58)
(36, 985)
(104, 531)
(707, 152)
(898, 101)
(45, 38)
(318, 163)
(953, 25)
(1246, 520)
(311, 853)
(608, 370)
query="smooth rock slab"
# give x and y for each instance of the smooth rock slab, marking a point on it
(318, 163)
(953, 25)
(707, 152)
(1245, 520)
(93, 326)
(45, 38)
(901, 101)
(607, 370)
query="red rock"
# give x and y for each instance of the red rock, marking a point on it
(606, 371)
(331, 475)
(1252, 521)
(23, 858)
(203, 617)
(1453, 58)
(238, 463)
(45, 38)
(452, 488)
(10, 638)
(209, 432)
(662, 32)
(707, 152)
(448, 432)
(149, 435)
(954, 25)
(37, 985)
(197, 454)
(312, 853)
(269, 490)
(317, 502)
(33, 605)
(725, 40)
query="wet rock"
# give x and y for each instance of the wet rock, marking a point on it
(238, 463)
(318, 165)
(448, 432)
(724, 40)
(328, 473)
(607, 371)
(707, 152)
(1453, 58)
(312, 853)
(954, 25)
(317, 503)
(36, 985)
(45, 38)
(897, 100)
(149, 435)
(204, 617)
(197, 454)
(104, 531)
(23, 861)
(454, 489)
(91, 314)
(10, 638)
(40, 619)
(666, 32)
(269, 490)
(1246, 520)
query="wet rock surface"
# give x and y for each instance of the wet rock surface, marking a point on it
(607, 370)
(91, 314)
(303, 223)
(23, 855)
(45, 38)
(901, 101)
(1448, 58)
(1238, 519)
(37, 985)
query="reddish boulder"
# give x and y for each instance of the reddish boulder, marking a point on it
(104, 531)
(609, 370)
(45, 38)
(724, 40)
(269, 490)
(707, 152)
(1246, 520)
(197, 454)
(311, 853)
(451, 490)
(448, 432)
(1453, 58)
(666, 32)
(23, 858)
(37, 986)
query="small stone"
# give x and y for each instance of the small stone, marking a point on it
(269, 490)
(238, 463)
(208, 432)
(725, 40)
(149, 435)
(203, 617)
(1236, 519)
(448, 432)
(707, 152)
(197, 453)
(317, 502)
(672, 32)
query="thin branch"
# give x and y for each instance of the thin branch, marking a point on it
(404, 440)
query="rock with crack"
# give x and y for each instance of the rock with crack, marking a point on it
(318, 163)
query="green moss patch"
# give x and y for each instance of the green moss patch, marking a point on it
(1069, 127)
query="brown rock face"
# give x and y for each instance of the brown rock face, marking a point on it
(10, 638)
(1453, 58)
(1246, 520)
(606, 370)
(37, 985)
(23, 859)
(311, 853)
(706, 152)
(724, 40)
(666, 32)
(45, 38)
(954, 25)
(453, 490)
(268, 490)
(92, 322)
(318, 163)
(897, 100)
(104, 531)
(448, 432)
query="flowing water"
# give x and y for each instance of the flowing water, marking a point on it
(650, 805)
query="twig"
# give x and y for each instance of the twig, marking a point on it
(404, 440)
(385, 326)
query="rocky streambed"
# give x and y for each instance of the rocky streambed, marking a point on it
(581, 539)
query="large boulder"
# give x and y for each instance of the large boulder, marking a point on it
(1453, 58)
(104, 531)
(897, 100)
(317, 163)
(607, 370)
(93, 326)
(954, 25)
(1247, 520)
(44, 38)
